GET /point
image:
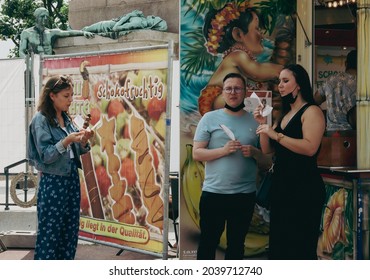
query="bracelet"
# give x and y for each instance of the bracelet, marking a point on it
(279, 136)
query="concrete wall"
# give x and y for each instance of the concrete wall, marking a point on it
(85, 12)
(18, 227)
(19, 220)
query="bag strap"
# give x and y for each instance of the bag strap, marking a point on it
(271, 169)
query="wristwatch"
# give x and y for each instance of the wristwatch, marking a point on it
(279, 137)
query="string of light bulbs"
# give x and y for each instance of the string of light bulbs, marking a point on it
(339, 3)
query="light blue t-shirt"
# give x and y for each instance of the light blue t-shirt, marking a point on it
(233, 173)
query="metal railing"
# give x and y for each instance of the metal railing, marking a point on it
(7, 175)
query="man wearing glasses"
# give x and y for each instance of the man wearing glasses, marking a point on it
(40, 40)
(229, 188)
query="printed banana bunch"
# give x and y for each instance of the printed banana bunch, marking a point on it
(333, 223)
(254, 244)
(192, 176)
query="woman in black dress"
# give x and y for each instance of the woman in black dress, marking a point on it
(297, 193)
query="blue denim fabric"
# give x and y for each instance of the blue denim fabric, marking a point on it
(45, 150)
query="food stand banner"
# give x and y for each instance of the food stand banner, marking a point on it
(123, 96)
(204, 53)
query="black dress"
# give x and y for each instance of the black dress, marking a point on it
(297, 197)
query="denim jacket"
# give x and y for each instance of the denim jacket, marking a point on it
(45, 150)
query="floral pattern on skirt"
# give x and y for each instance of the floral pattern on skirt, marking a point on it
(58, 213)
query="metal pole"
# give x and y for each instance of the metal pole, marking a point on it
(28, 93)
(363, 84)
(6, 171)
(167, 183)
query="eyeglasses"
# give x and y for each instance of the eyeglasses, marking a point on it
(62, 80)
(237, 90)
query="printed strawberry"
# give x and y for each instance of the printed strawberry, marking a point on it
(156, 107)
(126, 132)
(103, 179)
(114, 108)
(85, 205)
(95, 115)
(128, 171)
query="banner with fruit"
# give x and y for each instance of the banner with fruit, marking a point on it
(205, 53)
(122, 96)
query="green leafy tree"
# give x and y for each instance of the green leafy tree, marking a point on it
(17, 15)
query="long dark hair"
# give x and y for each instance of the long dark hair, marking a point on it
(55, 84)
(303, 80)
(228, 41)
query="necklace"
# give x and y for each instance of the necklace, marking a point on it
(239, 48)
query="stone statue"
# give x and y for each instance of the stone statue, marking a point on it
(121, 26)
(40, 40)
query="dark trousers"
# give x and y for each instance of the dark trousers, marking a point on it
(216, 210)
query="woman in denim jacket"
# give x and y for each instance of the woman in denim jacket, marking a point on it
(54, 148)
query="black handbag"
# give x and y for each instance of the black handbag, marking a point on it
(263, 192)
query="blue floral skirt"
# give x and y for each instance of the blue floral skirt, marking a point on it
(58, 213)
